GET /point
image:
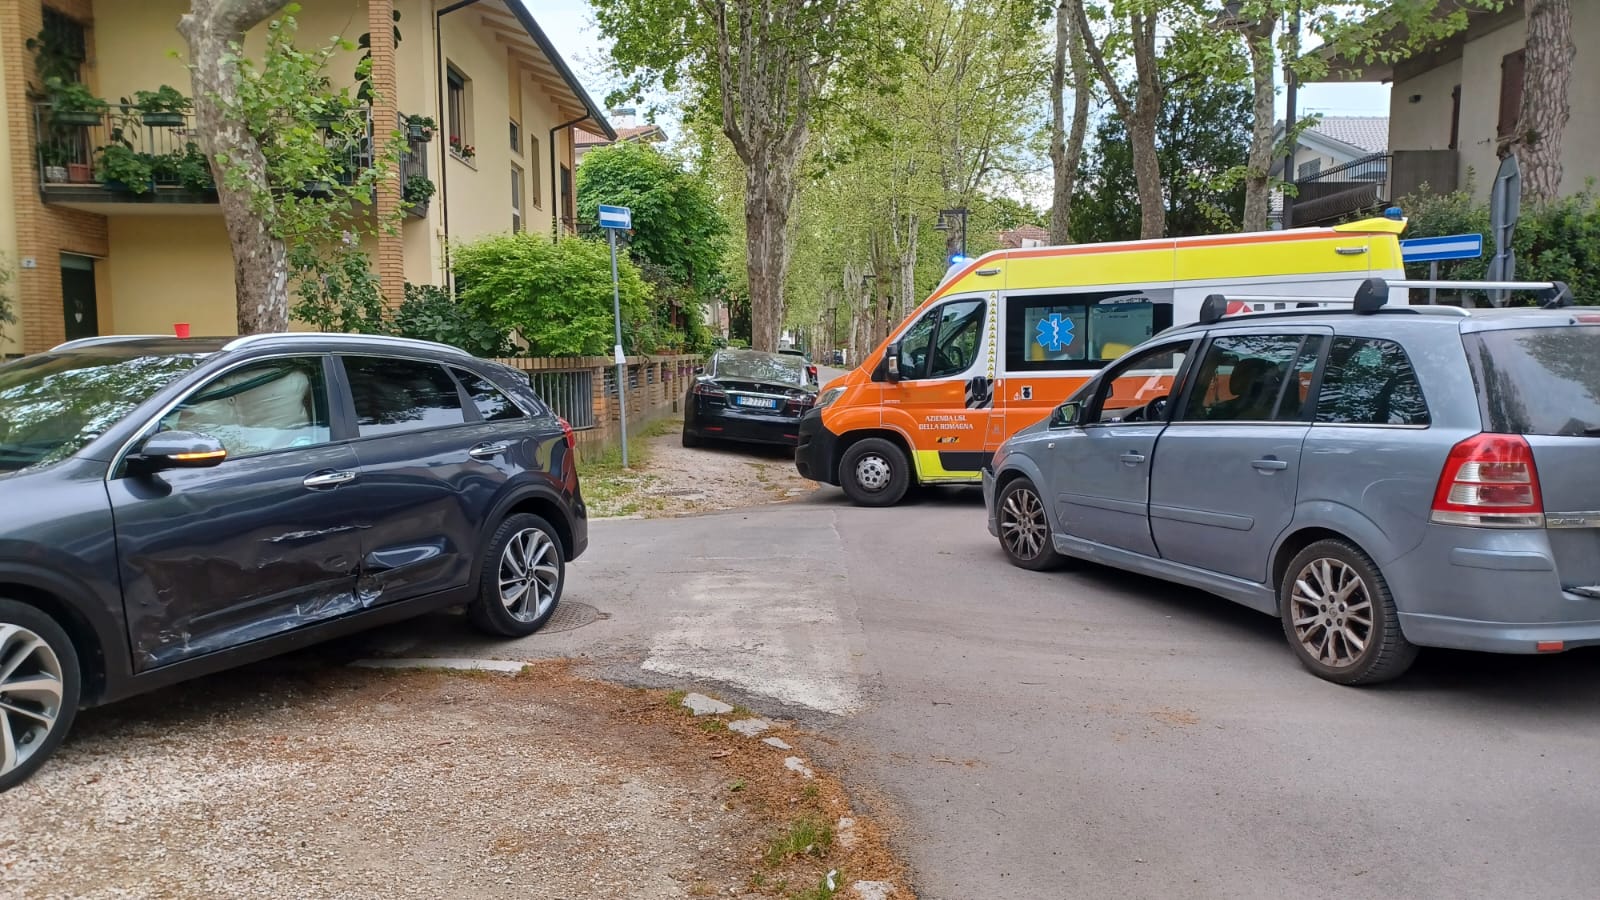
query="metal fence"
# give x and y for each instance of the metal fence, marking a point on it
(70, 147)
(570, 394)
(1330, 194)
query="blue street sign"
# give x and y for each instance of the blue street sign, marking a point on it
(1438, 249)
(616, 217)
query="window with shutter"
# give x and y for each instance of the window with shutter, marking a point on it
(1511, 69)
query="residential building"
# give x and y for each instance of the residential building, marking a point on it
(1452, 105)
(1024, 236)
(626, 129)
(1340, 167)
(89, 258)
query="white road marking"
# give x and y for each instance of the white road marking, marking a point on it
(777, 636)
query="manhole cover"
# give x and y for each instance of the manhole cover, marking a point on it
(570, 615)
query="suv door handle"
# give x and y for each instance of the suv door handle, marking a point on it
(1132, 458)
(487, 451)
(328, 479)
(1269, 464)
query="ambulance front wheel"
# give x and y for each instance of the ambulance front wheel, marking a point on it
(874, 472)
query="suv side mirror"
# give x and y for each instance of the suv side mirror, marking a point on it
(178, 450)
(1065, 415)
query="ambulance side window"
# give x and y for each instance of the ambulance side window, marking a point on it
(1058, 332)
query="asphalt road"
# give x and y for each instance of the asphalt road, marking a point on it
(1088, 733)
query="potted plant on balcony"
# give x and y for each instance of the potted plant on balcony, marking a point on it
(53, 157)
(462, 148)
(126, 170)
(72, 104)
(419, 129)
(164, 107)
(416, 193)
(194, 170)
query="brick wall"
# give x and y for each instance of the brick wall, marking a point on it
(43, 233)
(391, 246)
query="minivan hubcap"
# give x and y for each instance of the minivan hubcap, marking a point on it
(530, 572)
(1332, 612)
(872, 472)
(30, 694)
(1022, 523)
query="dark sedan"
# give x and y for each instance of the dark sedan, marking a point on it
(749, 397)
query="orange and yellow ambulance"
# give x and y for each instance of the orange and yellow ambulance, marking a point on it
(1007, 337)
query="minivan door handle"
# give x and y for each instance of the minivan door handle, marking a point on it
(1269, 464)
(328, 479)
(488, 451)
(1132, 458)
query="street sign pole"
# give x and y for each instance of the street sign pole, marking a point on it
(622, 363)
(614, 219)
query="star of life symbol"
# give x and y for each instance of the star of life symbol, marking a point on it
(1054, 332)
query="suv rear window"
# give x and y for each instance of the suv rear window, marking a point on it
(1537, 380)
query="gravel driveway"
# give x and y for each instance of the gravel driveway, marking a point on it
(290, 779)
(673, 480)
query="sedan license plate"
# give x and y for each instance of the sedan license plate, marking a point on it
(757, 402)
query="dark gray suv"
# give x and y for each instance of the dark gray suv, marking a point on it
(175, 507)
(1381, 478)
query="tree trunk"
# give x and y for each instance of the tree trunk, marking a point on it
(1258, 165)
(769, 195)
(1545, 97)
(260, 262)
(1066, 147)
(1141, 114)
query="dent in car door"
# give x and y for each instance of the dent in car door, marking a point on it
(263, 543)
(428, 475)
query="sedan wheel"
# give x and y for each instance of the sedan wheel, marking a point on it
(1024, 527)
(1340, 618)
(38, 690)
(521, 579)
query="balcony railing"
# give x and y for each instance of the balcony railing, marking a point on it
(1336, 193)
(72, 155)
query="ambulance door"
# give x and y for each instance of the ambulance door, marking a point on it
(942, 397)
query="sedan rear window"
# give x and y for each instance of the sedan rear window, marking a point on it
(1542, 381)
(764, 367)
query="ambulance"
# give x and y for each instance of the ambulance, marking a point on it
(1009, 336)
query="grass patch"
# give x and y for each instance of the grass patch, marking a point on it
(676, 699)
(738, 785)
(803, 837)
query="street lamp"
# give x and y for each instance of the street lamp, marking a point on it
(950, 219)
(1291, 82)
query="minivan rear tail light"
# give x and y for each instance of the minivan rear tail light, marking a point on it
(1489, 481)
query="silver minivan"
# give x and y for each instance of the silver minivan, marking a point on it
(1381, 478)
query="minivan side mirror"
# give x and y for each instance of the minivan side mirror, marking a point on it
(891, 360)
(1066, 415)
(178, 450)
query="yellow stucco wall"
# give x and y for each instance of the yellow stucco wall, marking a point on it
(169, 269)
(1425, 124)
(135, 41)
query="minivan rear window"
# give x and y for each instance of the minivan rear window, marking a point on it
(1542, 381)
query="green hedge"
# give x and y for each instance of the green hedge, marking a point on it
(1557, 241)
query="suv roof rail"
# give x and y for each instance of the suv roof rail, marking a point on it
(1551, 294)
(1368, 299)
(250, 340)
(103, 339)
